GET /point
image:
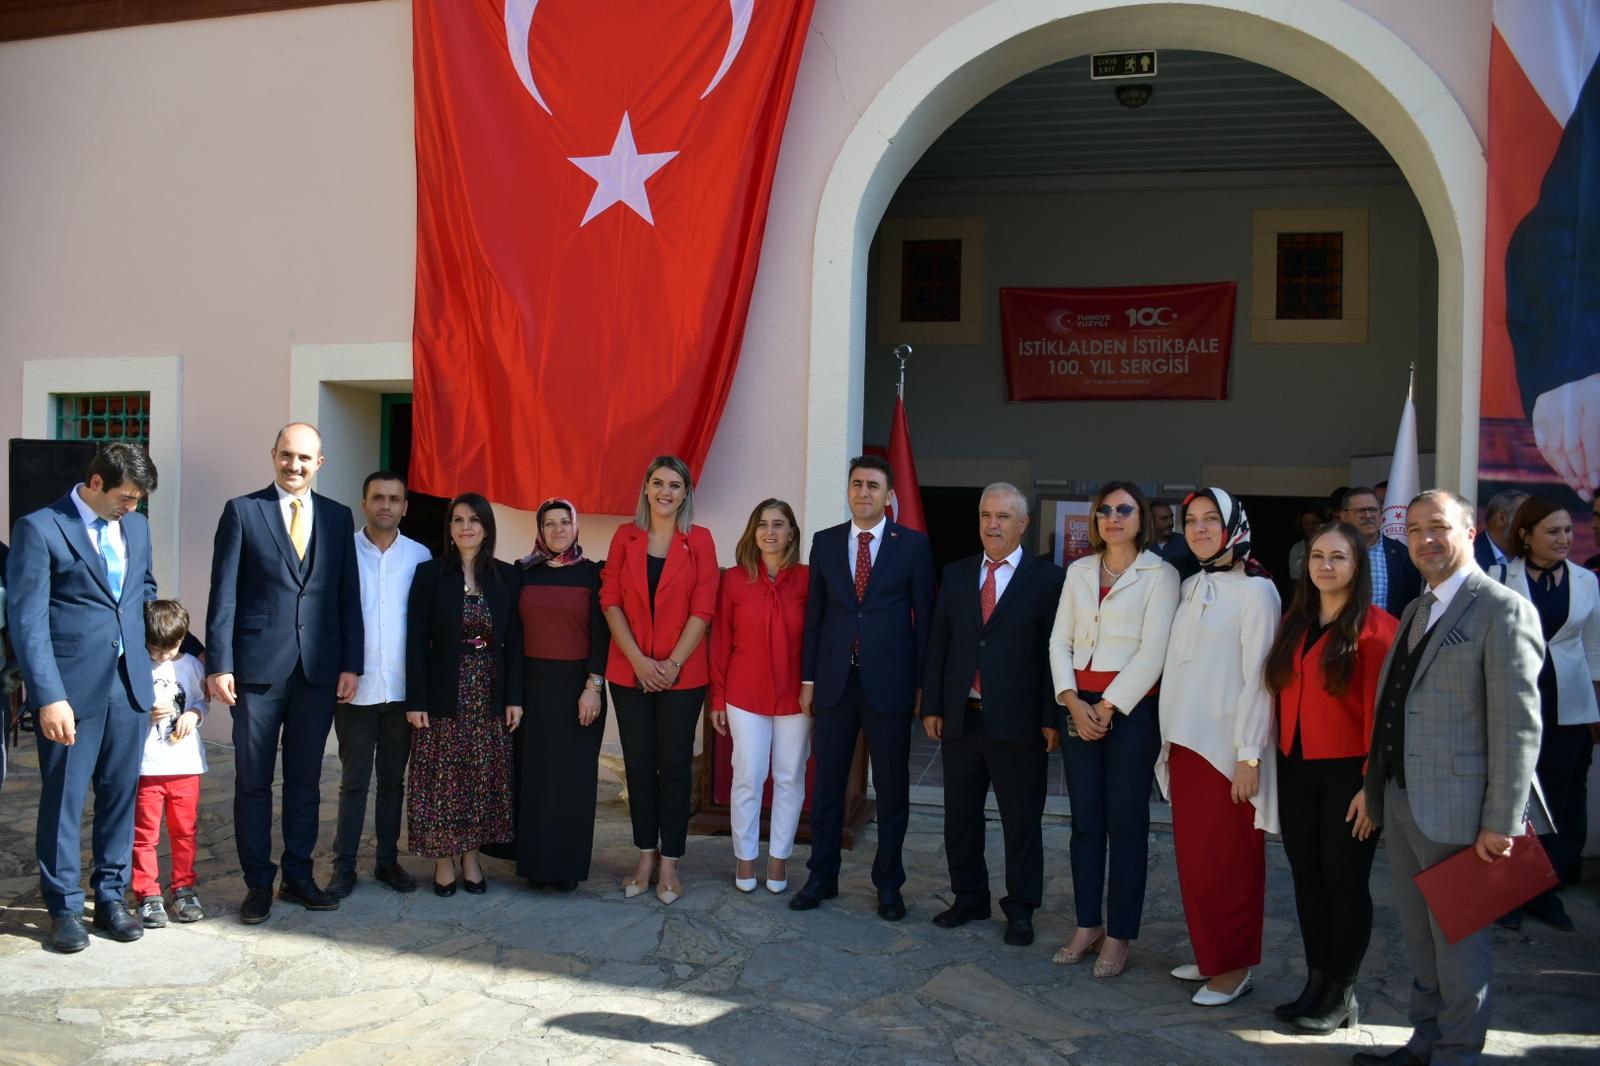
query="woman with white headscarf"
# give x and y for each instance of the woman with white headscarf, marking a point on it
(1216, 747)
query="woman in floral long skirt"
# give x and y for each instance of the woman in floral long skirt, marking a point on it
(463, 661)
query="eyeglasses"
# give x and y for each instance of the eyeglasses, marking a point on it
(1365, 512)
(1121, 510)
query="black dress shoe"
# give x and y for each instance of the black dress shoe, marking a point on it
(891, 906)
(343, 883)
(114, 917)
(811, 895)
(67, 934)
(961, 914)
(307, 894)
(1308, 995)
(1019, 930)
(562, 886)
(257, 904)
(1400, 1056)
(444, 890)
(1334, 1008)
(1549, 910)
(477, 888)
(395, 876)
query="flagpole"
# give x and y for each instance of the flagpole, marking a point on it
(902, 352)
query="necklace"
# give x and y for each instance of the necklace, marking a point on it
(1114, 575)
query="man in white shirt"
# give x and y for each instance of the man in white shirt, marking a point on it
(372, 727)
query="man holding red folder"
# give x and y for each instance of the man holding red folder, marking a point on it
(1454, 744)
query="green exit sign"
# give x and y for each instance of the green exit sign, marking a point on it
(1122, 65)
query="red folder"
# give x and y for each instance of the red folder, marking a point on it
(1464, 893)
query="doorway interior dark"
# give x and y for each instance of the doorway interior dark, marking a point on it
(425, 515)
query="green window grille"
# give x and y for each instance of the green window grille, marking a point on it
(104, 416)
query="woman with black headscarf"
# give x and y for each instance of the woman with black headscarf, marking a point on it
(1216, 734)
(565, 643)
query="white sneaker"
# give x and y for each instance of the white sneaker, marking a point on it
(1207, 998)
(1188, 972)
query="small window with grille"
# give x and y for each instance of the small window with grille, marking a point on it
(1310, 275)
(930, 280)
(104, 416)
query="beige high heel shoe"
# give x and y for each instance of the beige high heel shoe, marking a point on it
(665, 894)
(631, 887)
(1104, 967)
(1065, 956)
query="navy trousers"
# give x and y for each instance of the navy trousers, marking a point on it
(833, 745)
(106, 753)
(301, 714)
(1108, 782)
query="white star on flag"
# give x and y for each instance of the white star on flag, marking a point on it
(620, 176)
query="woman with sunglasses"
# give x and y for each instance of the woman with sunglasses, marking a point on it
(1106, 651)
(1216, 737)
(1323, 669)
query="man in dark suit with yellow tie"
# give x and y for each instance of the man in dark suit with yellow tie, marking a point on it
(284, 643)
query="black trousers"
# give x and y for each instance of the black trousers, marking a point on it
(833, 747)
(657, 732)
(972, 764)
(376, 733)
(1329, 866)
(1565, 752)
(300, 714)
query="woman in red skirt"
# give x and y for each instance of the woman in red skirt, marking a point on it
(1216, 734)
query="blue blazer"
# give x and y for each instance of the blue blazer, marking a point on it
(1405, 580)
(892, 621)
(265, 615)
(64, 622)
(1012, 650)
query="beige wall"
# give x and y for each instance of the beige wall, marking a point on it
(228, 189)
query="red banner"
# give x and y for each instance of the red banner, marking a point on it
(1166, 342)
(592, 188)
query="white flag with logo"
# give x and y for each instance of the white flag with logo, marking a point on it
(1403, 477)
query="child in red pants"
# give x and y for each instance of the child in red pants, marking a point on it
(169, 776)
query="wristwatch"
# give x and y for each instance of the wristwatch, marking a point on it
(597, 682)
(1252, 763)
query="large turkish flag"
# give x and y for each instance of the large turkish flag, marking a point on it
(592, 187)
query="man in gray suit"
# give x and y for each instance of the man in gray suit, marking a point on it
(1454, 743)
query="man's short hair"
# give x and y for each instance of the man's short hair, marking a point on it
(121, 463)
(1005, 487)
(314, 430)
(1160, 503)
(385, 475)
(873, 462)
(1464, 509)
(166, 623)
(1504, 502)
(1351, 493)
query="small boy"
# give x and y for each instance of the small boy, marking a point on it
(169, 776)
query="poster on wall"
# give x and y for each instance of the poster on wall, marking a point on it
(1539, 428)
(1142, 342)
(1069, 533)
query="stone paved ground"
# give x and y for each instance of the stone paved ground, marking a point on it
(523, 977)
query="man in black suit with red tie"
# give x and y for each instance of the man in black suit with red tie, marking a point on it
(866, 639)
(285, 642)
(987, 699)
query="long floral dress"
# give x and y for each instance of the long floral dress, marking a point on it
(460, 796)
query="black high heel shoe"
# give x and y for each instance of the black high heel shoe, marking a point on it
(477, 888)
(445, 890)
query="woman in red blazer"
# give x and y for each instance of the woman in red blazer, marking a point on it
(1323, 669)
(659, 591)
(755, 688)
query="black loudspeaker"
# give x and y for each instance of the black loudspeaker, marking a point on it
(42, 471)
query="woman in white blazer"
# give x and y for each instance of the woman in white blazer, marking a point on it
(1568, 600)
(1106, 649)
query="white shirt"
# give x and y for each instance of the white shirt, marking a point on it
(853, 542)
(113, 530)
(306, 510)
(1444, 593)
(180, 683)
(1002, 571)
(385, 591)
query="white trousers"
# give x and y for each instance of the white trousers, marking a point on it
(781, 744)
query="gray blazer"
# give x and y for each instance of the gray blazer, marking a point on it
(1472, 718)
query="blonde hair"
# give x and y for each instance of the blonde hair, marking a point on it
(748, 556)
(641, 514)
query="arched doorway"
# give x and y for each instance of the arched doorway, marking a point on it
(1346, 55)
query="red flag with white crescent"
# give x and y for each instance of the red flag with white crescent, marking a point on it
(907, 493)
(592, 189)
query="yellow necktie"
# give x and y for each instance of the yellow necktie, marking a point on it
(297, 529)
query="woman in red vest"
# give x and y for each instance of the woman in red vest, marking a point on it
(659, 591)
(755, 688)
(1323, 669)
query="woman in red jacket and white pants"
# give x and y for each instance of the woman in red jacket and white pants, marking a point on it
(755, 688)
(1323, 668)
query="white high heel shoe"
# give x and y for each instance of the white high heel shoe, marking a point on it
(1207, 998)
(777, 887)
(1188, 972)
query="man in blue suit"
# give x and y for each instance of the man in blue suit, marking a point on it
(987, 698)
(868, 611)
(77, 582)
(284, 642)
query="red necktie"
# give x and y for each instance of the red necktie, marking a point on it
(986, 598)
(863, 572)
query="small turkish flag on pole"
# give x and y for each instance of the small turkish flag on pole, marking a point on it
(907, 508)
